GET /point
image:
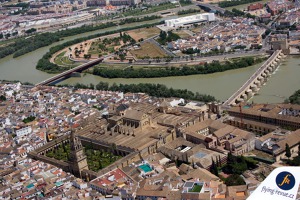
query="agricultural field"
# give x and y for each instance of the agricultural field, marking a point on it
(143, 33)
(150, 50)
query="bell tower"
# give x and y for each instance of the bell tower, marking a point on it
(77, 158)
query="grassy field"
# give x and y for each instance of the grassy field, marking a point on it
(104, 46)
(94, 48)
(63, 60)
(148, 49)
(143, 33)
(182, 34)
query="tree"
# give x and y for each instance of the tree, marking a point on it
(230, 159)
(287, 151)
(102, 86)
(100, 163)
(220, 161)
(122, 57)
(214, 168)
(92, 86)
(239, 166)
(234, 179)
(2, 98)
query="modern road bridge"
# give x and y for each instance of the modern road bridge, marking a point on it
(64, 74)
(255, 81)
(211, 7)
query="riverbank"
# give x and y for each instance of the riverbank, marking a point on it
(157, 90)
(221, 84)
(44, 63)
(207, 68)
(23, 46)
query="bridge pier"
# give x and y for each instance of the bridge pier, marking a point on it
(233, 104)
(266, 72)
(261, 80)
(249, 93)
(270, 69)
(254, 88)
(264, 75)
(244, 97)
(239, 100)
(255, 81)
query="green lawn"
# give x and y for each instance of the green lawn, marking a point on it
(64, 61)
(196, 188)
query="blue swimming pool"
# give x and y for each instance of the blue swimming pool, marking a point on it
(146, 168)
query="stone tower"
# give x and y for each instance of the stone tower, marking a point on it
(77, 158)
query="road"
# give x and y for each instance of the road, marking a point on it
(196, 59)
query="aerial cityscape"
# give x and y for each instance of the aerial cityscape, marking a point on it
(149, 99)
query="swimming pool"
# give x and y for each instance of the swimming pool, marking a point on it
(246, 107)
(146, 168)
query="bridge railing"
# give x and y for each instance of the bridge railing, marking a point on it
(252, 77)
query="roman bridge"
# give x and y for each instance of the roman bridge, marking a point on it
(252, 85)
(68, 73)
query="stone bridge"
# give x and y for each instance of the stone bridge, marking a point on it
(252, 85)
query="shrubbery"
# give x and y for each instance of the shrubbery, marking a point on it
(175, 71)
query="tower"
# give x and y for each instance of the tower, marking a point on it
(77, 158)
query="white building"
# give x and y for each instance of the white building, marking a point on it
(24, 131)
(190, 19)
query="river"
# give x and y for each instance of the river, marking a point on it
(221, 85)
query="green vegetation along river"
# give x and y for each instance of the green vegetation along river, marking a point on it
(221, 85)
